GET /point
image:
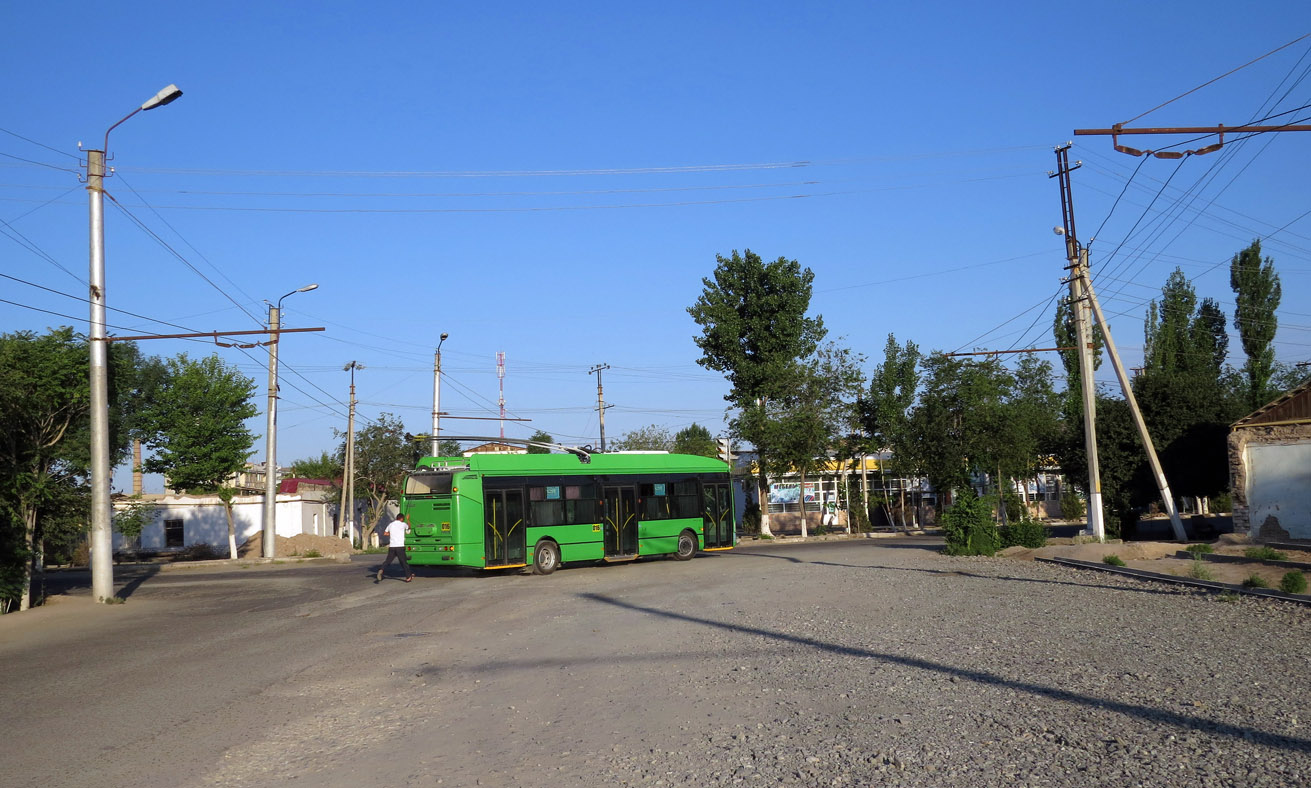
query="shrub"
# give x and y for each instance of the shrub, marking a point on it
(1201, 548)
(1265, 553)
(1222, 503)
(1255, 581)
(968, 527)
(751, 519)
(1113, 560)
(200, 552)
(1293, 582)
(1024, 533)
(859, 519)
(1198, 571)
(1072, 506)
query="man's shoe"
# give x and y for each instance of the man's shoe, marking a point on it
(379, 575)
(408, 579)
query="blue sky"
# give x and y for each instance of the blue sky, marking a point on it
(554, 180)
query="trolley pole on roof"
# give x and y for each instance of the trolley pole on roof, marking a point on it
(600, 399)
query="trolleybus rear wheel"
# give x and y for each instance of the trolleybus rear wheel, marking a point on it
(546, 557)
(686, 546)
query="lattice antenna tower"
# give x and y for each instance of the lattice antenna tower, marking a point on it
(500, 380)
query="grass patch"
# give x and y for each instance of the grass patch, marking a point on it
(1264, 553)
(1113, 560)
(1293, 582)
(1198, 571)
(1255, 581)
(313, 554)
(118, 600)
(1227, 596)
(1201, 548)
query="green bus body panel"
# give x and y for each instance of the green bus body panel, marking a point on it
(448, 530)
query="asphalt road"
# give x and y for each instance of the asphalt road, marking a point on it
(839, 662)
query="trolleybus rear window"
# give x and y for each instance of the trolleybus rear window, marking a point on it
(437, 483)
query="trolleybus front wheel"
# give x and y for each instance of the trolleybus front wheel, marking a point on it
(546, 557)
(686, 546)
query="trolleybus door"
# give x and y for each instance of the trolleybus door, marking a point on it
(718, 514)
(620, 522)
(503, 532)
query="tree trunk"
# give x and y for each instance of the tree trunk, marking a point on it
(232, 532)
(802, 498)
(29, 539)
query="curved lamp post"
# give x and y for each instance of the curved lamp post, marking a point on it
(271, 431)
(102, 547)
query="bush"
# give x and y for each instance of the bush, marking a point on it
(1072, 506)
(1201, 548)
(1264, 553)
(1198, 571)
(751, 519)
(1255, 581)
(968, 526)
(1293, 582)
(1222, 503)
(859, 519)
(1024, 533)
(1113, 560)
(200, 552)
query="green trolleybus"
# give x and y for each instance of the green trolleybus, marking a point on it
(501, 511)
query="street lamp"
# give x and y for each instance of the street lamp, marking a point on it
(271, 432)
(437, 396)
(102, 564)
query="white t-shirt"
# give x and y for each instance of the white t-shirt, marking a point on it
(396, 533)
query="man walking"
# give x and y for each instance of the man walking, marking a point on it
(396, 547)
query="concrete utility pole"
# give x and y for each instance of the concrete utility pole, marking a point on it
(1089, 300)
(347, 515)
(436, 396)
(102, 542)
(271, 434)
(1078, 267)
(600, 399)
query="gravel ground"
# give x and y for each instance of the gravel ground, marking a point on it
(908, 668)
(848, 663)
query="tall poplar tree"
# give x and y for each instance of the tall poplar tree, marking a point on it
(1257, 292)
(755, 330)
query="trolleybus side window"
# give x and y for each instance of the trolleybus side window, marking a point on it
(655, 501)
(686, 501)
(547, 506)
(580, 504)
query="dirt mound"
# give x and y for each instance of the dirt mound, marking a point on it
(1095, 552)
(296, 546)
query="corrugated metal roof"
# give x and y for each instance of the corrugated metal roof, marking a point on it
(1293, 407)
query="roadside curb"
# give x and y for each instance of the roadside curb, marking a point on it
(830, 538)
(1208, 585)
(1221, 558)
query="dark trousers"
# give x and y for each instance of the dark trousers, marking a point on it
(394, 553)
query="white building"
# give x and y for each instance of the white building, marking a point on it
(180, 521)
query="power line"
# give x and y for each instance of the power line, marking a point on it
(39, 144)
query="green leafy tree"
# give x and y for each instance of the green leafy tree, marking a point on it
(812, 415)
(1257, 292)
(383, 457)
(449, 448)
(885, 414)
(652, 437)
(1182, 391)
(131, 518)
(325, 466)
(695, 439)
(755, 330)
(197, 429)
(540, 437)
(959, 424)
